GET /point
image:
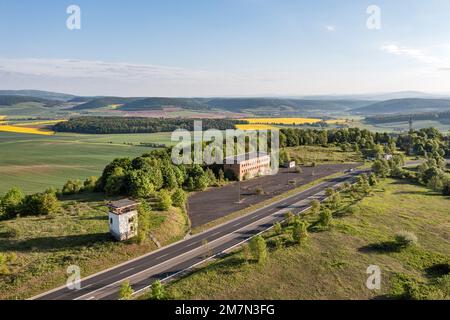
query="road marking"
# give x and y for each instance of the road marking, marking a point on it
(91, 298)
(127, 270)
(250, 223)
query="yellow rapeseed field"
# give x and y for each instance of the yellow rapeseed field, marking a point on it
(17, 129)
(282, 120)
(263, 123)
(254, 127)
(40, 123)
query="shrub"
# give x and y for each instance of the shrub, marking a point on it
(90, 184)
(158, 292)
(406, 238)
(126, 291)
(259, 191)
(164, 199)
(179, 198)
(12, 202)
(258, 249)
(72, 187)
(325, 217)
(300, 231)
(277, 228)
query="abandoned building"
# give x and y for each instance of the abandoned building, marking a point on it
(123, 219)
(249, 165)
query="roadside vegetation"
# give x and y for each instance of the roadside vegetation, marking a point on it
(324, 254)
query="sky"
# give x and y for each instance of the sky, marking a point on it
(225, 47)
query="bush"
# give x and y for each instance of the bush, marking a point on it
(325, 217)
(72, 187)
(406, 238)
(164, 199)
(179, 198)
(11, 203)
(158, 292)
(300, 232)
(258, 249)
(277, 228)
(126, 291)
(90, 184)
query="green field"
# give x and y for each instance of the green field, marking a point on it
(333, 264)
(34, 162)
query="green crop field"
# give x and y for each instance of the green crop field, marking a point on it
(333, 263)
(34, 162)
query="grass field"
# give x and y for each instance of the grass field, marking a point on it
(318, 154)
(45, 247)
(333, 264)
(35, 162)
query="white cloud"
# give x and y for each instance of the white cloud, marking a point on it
(330, 28)
(439, 63)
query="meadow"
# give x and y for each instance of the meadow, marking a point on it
(333, 263)
(36, 162)
(44, 247)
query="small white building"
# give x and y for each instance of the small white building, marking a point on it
(123, 219)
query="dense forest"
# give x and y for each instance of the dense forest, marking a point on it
(111, 125)
(443, 117)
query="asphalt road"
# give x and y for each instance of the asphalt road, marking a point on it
(179, 257)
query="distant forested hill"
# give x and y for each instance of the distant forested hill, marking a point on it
(226, 104)
(12, 100)
(404, 106)
(47, 95)
(111, 125)
(443, 117)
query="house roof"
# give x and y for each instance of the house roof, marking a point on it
(123, 203)
(244, 157)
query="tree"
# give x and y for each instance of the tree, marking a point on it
(115, 183)
(139, 183)
(277, 228)
(158, 292)
(90, 184)
(169, 177)
(12, 202)
(315, 206)
(325, 217)
(373, 181)
(164, 199)
(221, 176)
(38, 204)
(329, 192)
(126, 291)
(49, 205)
(289, 217)
(211, 177)
(258, 248)
(144, 211)
(300, 231)
(435, 183)
(179, 198)
(202, 182)
(72, 187)
(335, 201)
(380, 168)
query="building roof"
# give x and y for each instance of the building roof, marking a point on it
(123, 203)
(244, 157)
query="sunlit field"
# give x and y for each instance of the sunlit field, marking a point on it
(20, 128)
(287, 121)
(254, 127)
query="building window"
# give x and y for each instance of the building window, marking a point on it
(110, 221)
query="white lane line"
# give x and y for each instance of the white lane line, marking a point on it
(91, 298)
(127, 270)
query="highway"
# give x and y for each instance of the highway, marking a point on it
(179, 257)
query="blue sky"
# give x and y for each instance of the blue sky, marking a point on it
(225, 47)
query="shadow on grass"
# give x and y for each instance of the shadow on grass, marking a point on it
(438, 270)
(49, 244)
(382, 247)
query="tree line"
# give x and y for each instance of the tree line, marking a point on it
(115, 125)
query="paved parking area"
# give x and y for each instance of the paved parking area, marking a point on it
(215, 203)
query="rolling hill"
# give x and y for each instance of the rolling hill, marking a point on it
(47, 95)
(409, 105)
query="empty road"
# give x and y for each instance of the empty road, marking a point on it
(178, 257)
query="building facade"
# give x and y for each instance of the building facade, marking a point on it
(123, 219)
(249, 165)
